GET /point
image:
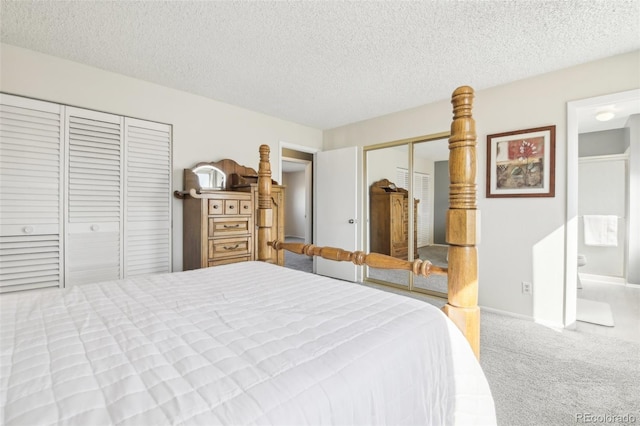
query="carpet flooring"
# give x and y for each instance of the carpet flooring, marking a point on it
(541, 376)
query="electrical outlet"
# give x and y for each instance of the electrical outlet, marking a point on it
(526, 287)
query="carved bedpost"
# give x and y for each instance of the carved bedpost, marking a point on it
(265, 214)
(462, 218)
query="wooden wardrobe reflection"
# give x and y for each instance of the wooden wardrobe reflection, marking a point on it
(389, 220)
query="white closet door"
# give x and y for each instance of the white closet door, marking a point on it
(94, 196)
(147, 197)
(30, 201)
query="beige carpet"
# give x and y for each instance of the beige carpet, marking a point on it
(594, 312)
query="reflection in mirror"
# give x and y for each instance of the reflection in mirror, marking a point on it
(210, 177)
(431, 188)
(388, 207)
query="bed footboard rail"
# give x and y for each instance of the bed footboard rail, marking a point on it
(373, 260)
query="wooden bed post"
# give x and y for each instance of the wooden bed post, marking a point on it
(462, 217)
(264, 218)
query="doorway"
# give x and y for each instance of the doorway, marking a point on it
(296, 169)
(592, 144)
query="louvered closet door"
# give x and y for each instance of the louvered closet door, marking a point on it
(94, 196)
(30, 187)
(147, 197)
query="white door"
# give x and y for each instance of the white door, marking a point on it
(337, 214)
(147, 213)
(94, 197)
(30, 187)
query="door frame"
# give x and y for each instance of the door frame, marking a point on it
(308, 193)
(571, 220)
(309, 186)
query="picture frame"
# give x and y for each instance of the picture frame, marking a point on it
(521, 163)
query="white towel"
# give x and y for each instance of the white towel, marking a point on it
(600, 230)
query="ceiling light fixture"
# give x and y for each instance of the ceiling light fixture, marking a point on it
(604, 115)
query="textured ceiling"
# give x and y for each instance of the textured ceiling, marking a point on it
(325, 64)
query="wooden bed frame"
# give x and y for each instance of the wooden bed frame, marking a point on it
(461, 234)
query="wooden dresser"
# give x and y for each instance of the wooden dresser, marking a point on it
(218, 229)
(219, 221)
(389, 220)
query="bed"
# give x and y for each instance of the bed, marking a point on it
(250, 342)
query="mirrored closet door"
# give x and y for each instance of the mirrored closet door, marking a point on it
(407, 199)
(388, 214)
(431, 188)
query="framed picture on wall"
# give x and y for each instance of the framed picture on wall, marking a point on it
(522, 163)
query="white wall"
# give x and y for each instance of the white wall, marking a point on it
(523, 239)
(203, 129)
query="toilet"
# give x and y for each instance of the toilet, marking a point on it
(582, 260)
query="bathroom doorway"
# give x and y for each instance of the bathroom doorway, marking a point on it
(606, 296)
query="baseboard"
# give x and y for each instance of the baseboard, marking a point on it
(603, 279)
(549, 324)
(506, 313)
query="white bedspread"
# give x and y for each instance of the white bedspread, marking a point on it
(247, 343)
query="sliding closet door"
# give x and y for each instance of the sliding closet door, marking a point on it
(147, 200)
(30, 188)
(94, 196)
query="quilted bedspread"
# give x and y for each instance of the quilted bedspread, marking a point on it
(247, 343)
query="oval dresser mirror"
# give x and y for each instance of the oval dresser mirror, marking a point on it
(210, 177)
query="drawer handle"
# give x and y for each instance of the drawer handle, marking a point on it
(215, 207)
(27, 229)
(95, 227)
(237, 225)
(231, 248)
(231, 207)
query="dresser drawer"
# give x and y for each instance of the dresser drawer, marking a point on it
(216, 206)
(223, 226)
(229, 207)
(221, 248)
(245, 207)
